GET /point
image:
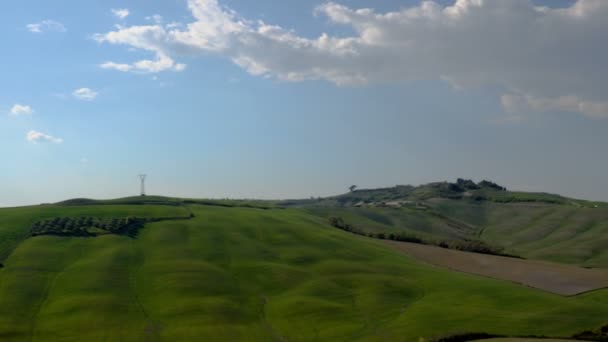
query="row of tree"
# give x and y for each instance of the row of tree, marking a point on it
(339, 223)
(87, 226)
(467, 245)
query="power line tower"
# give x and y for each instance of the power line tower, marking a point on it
(142, 179)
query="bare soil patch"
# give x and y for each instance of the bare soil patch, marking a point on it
(561, 279)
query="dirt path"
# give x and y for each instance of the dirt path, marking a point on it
(552, 277)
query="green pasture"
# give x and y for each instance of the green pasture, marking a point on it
(245, 274)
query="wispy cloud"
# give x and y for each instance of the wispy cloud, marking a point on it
(46, 25)
(85, 94)
(120, 13)
(39, 137)
(156, 18)
(146, 66)
(539, 52)
(514, 103)
(19, 109)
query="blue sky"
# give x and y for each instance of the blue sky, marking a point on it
(243, 99)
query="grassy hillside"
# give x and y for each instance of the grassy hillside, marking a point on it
(554, 232)
(421, 223)
(562, 233)
(532, 225)
(15, 222)
(250, 274)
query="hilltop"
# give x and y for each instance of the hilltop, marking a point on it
(462, 189)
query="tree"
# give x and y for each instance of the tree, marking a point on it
(352, 188)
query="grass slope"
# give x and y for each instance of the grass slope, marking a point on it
(561, 233)
(413, 222)
(15, 222)
(249, 274)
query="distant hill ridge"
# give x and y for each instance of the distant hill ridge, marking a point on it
(462, 189)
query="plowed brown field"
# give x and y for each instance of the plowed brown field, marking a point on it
(552, 277)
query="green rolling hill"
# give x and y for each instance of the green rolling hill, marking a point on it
(531, 225)
(255, 271)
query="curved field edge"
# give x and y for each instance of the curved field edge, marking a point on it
(552, 277)
(246, 274)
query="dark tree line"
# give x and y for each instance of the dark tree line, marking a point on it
(600, 335)
(87, 226)
(464, 337)
(463, 185)
(339, 223)
(467, 245)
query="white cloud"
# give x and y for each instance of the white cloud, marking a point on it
(38, 137)
(116, 66)
(521, 104)
(558, 56)
(120, 13)
(19, 109)
(46, 25)
(85, 94)
(156, 18)
(141, 37)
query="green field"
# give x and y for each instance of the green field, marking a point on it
(251, 274)
(546, 231)
(554, 232)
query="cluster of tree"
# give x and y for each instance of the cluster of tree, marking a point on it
(467, 184)
(463, 185)
(475, 246)
(339, 223)
(467, 245)
(464, 337)
(449, 190)
(487, 184)
(85, 226)
(600, 335)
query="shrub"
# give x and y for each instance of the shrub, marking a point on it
(467, 337)
(600, 335)
(487, 184)
(406, 238)
(467, 184)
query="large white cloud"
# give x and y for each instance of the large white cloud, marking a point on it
(543, 58)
